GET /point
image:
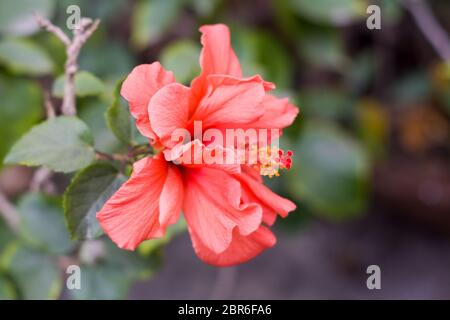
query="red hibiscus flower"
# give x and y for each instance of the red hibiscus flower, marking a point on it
(226, 206)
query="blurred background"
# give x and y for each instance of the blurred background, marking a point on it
(371, 147)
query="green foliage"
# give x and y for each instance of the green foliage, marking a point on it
(42, 223)
(16, 17)
(62, 144)
(24, 57)
(152, 19)
(35, 273)
(331, 172)
(260, 53)
(112, 276)
(326, 102)
(86, 195)
(331, 12)
(7, 290)
(118, 118)
(20, 108)
(149, 247)
(86, 84)
(181, 57)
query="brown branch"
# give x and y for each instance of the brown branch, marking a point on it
(49, 107)
(430, 27)
(81, 35)
(50, 27)
(9, 212)
(73, 46)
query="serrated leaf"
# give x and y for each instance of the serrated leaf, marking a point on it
(330, 172)
(42, 223)
(152, 19)
(62, 144)
(34, 272)
(87, 193)
(24, 57)
(86, 84)
(181, 57)
(118, 118)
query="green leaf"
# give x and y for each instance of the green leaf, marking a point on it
(261, 53)
(86, 195)
(118, 118)
(24, 57)
(331, 12)
(6, 235)
(7, 291)
(323, 48)
(102, 282)
(112, 277)
(35, 274)
(42, 223)
(326, 102)
(152, 19)
(330, 173)
(62, 144)
(92, 112)
(181, 57)
(20, 109)
(86, 84)
(16, 17)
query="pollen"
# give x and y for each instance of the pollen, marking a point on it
(271, 160)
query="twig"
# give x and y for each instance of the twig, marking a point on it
(49, 107)
(40, 179)
(9, 212)
(430, 27)
(73, 46)
(50, 27)
(81, 35)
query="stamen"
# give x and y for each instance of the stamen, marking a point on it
(271, 160)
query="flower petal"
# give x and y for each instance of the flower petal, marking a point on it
(216, 57)
(278, 113)
(132, 214)
(265, 196)
(241, 249)
(169, 110)
(196, 155)
(212, 207)
(138, 88)
(230, 101)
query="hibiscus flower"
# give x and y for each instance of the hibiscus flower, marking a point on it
(227, 207)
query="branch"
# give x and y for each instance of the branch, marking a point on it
(9, 212)
(81, 35)
(430, 27)
(73, 46)
(50, 27)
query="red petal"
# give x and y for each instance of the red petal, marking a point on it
(132, 214)
(213, 208)
(169, 110)
(138, 88)
(217, 56)
(241, 249)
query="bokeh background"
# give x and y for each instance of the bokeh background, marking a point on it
(371, 171)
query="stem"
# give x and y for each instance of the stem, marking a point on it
(9, 213)
(430, 27)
